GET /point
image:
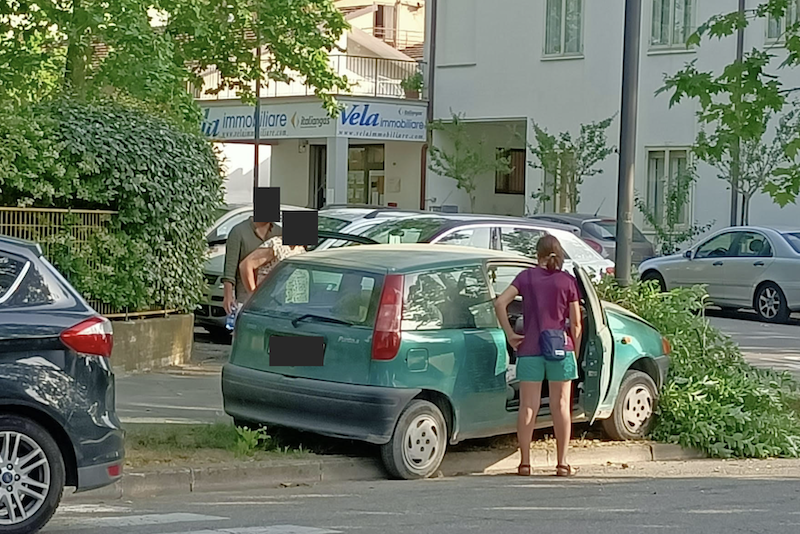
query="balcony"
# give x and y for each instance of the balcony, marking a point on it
(368, 76)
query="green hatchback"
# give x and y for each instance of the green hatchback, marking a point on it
(413, 357)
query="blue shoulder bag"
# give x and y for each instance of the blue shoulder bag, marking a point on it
(553, 344)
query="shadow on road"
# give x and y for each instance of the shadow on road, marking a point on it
(745, 315)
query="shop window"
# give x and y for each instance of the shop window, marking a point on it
(512, 183)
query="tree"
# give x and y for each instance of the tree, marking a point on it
(759, 160)
(153, 51)
(569, 161)
(668, 222)
(467, 160)
(736, 102)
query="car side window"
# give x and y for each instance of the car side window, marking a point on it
(716, 247)
(22, 285)
(753, 245)
(501, 276)
(469, 237)
(447, 299)
(520, 241)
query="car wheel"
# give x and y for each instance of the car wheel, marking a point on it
(770, 304)
(634, 408)
(655, 275)
(418, 444)
(32, 475)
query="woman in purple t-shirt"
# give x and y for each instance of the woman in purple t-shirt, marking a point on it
(550, 296)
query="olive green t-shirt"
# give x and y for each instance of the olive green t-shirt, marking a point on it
(242, 240)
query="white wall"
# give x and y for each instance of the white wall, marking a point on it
(402, 162)
(237, 164)
(290, 171)
(501, 74)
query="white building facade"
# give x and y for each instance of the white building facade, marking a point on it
(504, 63)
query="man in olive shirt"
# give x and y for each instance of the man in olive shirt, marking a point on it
(243, 239)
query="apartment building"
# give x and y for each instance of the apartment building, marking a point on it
(505, 63)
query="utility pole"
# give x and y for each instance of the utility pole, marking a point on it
(627, 140)
(257, 122)
(736, 148)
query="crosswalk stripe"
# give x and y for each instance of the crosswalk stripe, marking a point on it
(135, 520)
(274, 529)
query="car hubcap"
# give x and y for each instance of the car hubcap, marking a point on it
(769, 303)
(422, 442)
(25, 477)
(638, 408)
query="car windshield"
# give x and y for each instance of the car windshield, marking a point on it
(221, 231)
(337, 294)
(794, 240)
(331, 224)
(405, 230)
(607, 229)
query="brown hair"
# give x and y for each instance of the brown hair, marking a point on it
(549, 247)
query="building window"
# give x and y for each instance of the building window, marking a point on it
(512, 183)
(673, 23)
(564, 28)
(776, 28)
(663, 169)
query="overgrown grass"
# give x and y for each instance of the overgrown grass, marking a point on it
(714, 400)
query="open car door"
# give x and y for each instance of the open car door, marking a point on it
(596, 348)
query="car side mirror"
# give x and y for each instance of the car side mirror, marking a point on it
(688, 254)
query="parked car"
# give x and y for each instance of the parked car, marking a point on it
(752, 267)
(513, 234)
(58, 424)
(601, 234)
(414, 358)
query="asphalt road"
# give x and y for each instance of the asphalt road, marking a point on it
(697, 498)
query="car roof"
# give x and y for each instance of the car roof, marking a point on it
(575, 217)
(407, 257)
(451, 220)
(17, 246)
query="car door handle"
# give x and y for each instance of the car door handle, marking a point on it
(759, 264)
(717, 263)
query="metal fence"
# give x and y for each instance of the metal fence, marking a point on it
(40, 225)
(368, 76)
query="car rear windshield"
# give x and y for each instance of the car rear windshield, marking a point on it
(576, 249)
(331, 224)
(298, 289)
(607, 229)
(794, 240)
(406, 230)
(23, 285)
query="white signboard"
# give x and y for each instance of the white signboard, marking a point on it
(309, 120)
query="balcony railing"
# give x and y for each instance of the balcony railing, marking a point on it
(400, 39)
(367, 76)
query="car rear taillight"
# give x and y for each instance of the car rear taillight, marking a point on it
(93, 336)
(666, 346)
(595, 245)
(386, 338)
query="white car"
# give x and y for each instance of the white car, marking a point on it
(750, 267)
(513, 234)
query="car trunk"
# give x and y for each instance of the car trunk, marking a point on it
(336, 304)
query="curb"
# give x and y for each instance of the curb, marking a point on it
(260, 475)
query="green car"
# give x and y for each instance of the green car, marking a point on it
(413, 357)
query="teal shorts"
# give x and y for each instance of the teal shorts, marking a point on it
(539, 369)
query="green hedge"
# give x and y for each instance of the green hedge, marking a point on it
(164, 182)
(714, 400)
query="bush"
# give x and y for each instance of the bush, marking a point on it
(164, 182)
(714, 400)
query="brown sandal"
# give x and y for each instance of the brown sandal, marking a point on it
(565, 470)
(524, 470)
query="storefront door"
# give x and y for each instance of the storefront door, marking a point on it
(365, 175)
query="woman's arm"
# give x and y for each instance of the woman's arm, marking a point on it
(575, 324)
(501, 309)
(249, 266)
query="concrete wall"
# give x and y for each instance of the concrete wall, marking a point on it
(402, 162)
(499, 72)
(152, 343)
(290, 171)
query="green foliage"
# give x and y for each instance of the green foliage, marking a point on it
(413, 82)
(714, 400)
(670, 231)
(468, 158)
(569, 161)
(738, 102)
(249, 441)
(50, 48)
(165, 184)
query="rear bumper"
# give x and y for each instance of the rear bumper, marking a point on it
(363, 413)
(98, 476)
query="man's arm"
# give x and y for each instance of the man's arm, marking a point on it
(232, 249)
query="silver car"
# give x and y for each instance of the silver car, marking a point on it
(742, 267)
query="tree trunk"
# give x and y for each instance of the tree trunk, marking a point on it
(562, 192)
(746, 209)
(78, 52)
(472, 200)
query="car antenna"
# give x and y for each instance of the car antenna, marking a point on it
(600, 206)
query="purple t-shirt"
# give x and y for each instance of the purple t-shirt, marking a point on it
(546, 297)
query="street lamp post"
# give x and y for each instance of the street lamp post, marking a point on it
(627, 140)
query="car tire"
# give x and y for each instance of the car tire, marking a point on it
(418, 443)
(634, 409)
(655, 275)
(770, 304)
(30, 436)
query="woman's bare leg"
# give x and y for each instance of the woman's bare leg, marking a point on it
(529, 399)
(560, 393)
